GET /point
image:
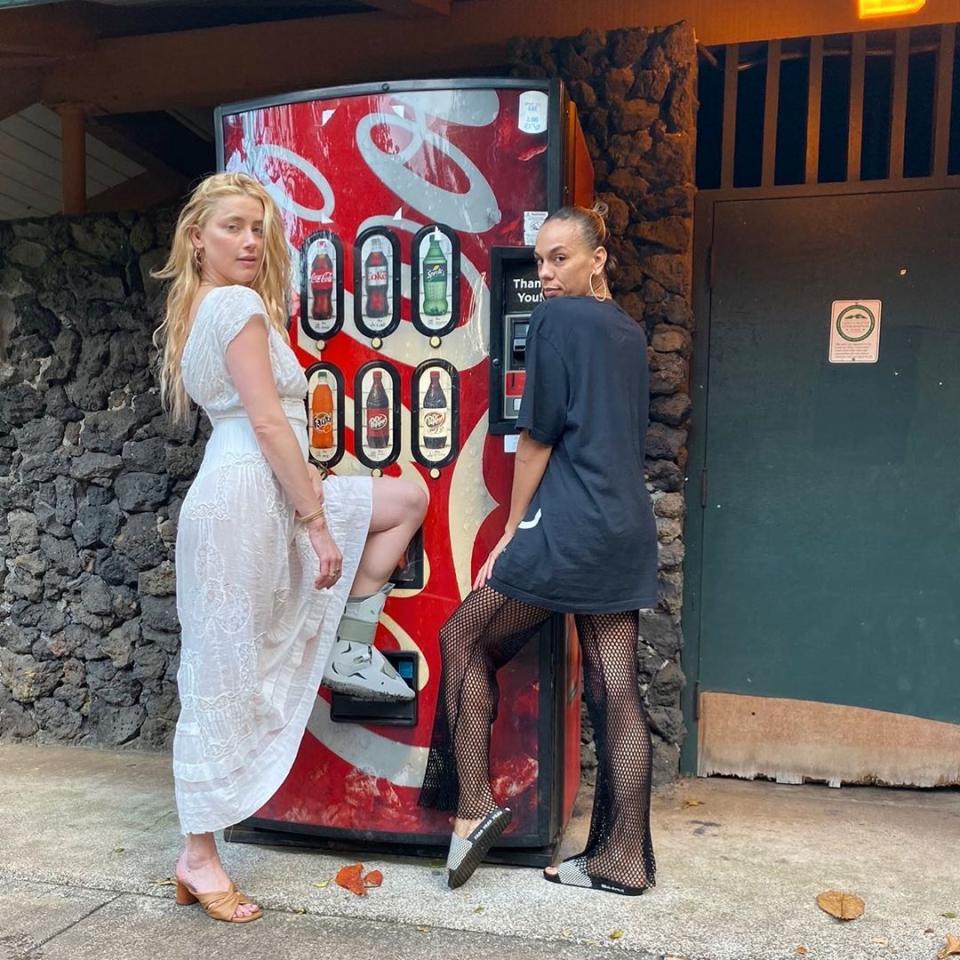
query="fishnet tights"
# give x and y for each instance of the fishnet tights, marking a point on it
(483, 634)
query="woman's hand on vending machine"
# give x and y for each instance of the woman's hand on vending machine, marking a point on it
(486, 571)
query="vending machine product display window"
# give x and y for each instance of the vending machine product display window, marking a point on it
(376, 282)
(321, 296)
(435, 413)
(435, 281)
(325, 413)
(377, 415)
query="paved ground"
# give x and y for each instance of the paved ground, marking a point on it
(88, 837)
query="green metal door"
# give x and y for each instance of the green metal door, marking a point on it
(831, 528)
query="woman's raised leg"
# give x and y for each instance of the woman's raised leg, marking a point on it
(355, 667)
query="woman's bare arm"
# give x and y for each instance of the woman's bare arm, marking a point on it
(248, 361)
(531, 462)
(529, 466)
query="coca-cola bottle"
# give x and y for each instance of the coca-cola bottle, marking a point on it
(378, 413)
(321, 284)
(435, 278)
(375, 279)
(434, 429)
(321, 414)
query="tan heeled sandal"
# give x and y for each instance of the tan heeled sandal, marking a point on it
(219, 905)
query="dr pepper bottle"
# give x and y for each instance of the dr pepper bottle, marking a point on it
(378, 414)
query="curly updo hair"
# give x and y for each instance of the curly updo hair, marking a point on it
(592, 224)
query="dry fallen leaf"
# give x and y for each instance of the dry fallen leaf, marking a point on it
(321, 884)
(690, 802)
(951, 948)
(616, 934)
(800, 951)
(881, 941)
(350, 879)
(424, 929)
(479, 909)
(373, 879)
(165, 882)
(949, 915)
(299, 909)
(843, 906)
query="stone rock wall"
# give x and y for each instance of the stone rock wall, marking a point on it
(91, 479)
(636, 94)
(92, 473)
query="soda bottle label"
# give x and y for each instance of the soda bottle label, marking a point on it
(435, 272)
(433, 422)
(377, 276)
(323, 423)
(322, 278)
(433, 425)
(378, 428)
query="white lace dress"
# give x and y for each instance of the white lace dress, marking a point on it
(255, 631)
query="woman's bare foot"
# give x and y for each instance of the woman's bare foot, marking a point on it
(200, 869)
(463, 828)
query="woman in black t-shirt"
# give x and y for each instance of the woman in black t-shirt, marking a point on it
(580, 539)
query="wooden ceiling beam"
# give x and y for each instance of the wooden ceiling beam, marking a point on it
(217, 65)
(45, 31)
(412, 8)
(19, 87)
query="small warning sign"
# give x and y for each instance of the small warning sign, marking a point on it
(855, 331)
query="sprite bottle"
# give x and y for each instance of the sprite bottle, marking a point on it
(435, 279)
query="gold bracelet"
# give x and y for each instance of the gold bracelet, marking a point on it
(310, 517)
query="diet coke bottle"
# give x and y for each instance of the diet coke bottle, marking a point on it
(375, 279)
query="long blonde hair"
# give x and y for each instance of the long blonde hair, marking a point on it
(183, 272)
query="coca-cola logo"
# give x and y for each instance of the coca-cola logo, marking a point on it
(378, 421)
(323, 422)
(434, 420)
(322, 279)
(377, 276)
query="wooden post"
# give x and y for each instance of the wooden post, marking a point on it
(898, 109)
(771, 114)
(731, 67)
(941, 124)
(814, 95)
(73, 133)
(858, 57)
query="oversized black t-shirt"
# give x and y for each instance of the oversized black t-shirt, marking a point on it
(588, 543)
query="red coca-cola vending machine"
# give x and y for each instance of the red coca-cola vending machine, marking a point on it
(410, 210)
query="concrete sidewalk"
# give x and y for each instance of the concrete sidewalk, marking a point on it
(88, 837)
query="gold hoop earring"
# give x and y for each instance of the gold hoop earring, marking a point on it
(198, 257)
(604, 292)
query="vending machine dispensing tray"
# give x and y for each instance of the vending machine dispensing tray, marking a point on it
(360, 846)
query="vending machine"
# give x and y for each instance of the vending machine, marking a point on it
(411, 210)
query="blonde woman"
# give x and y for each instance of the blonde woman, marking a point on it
(267, 555)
